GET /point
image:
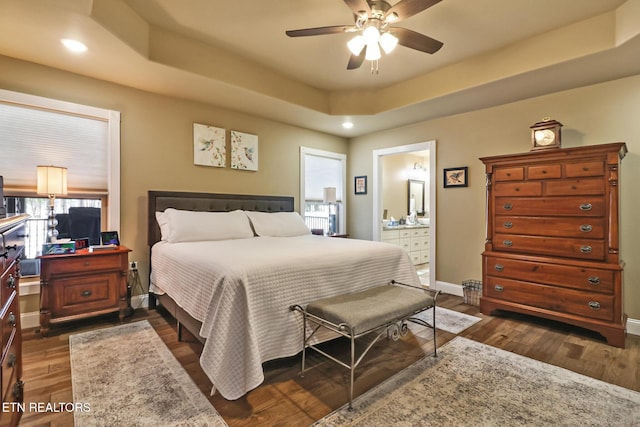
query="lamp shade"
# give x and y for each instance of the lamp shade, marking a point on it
(52, 180)
(329, 195)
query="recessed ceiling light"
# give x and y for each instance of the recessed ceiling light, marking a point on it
(347, 125)
(74, 45)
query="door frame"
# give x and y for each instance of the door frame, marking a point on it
(377, 195)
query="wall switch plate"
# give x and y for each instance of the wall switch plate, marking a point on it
(133, 265)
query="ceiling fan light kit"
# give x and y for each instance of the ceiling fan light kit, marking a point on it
(372, 21)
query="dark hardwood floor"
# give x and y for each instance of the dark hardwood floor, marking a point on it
(287, 399)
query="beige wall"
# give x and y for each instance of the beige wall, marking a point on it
(157, 146)
(596, 114)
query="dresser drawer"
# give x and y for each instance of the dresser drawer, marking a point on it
(589, 227)
(593, 305)
(9, 281)
(563, 275)
(544, 172)
(587, 168)
(587, 249)
(76, 295)
(11, 244)
(557, 206)
(10, 319)
(573, 187)
(83, 264)
(9, 366)
(518, 188)
(508, 174)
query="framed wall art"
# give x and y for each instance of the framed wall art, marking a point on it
(209, 146)
(244, 151)
(360, 185)
(455, 177)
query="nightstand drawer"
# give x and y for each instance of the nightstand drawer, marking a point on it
(83, 264)
(76, 295)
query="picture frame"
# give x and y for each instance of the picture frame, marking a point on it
(110, 238)
(360, 184)
(209, 146)
(244, 151)
(456, 177)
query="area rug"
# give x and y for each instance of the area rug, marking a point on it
(126, 376)
(449, 320)
(473, 384)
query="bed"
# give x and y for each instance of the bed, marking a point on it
(232, 288)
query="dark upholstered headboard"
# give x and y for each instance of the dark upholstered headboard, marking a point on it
(208, 202)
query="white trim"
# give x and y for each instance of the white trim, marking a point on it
(377, 194)
(343, 161)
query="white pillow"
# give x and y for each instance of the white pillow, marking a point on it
(189, 226)
(278, 224)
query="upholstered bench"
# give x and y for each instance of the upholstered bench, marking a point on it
(382, 309)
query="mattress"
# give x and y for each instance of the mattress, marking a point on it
(241, 291)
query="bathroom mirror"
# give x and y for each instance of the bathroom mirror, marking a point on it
(415, 197)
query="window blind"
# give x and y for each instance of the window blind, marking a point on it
(321, 172)
(31, 137)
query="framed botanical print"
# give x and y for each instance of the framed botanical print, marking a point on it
(360, 184)
(209, 146)
(244, 151)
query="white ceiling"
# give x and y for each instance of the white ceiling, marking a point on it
(235, 53)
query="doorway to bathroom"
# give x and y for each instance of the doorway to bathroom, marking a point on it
(404, 203)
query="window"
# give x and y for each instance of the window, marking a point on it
(40, 131)
(319, 170)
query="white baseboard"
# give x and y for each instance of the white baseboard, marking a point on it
(633, 325)
(32, 319)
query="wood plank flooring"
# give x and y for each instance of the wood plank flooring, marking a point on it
(287, 399)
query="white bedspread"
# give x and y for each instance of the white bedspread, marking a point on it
(241, 291)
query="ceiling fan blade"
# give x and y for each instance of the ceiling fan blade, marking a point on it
(355, 61)
(417, 41)
(407, 8)
(358, 5)
(336, 29)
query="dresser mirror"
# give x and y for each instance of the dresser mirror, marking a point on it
(415, 197)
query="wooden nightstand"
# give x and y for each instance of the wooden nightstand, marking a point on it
(83, 284)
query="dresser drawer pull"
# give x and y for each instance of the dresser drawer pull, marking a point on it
(11, 360)
(5, 255)
(507, 243)
(507, 224)
(585, 249)
(86, 293)
(499, 267)
(11, 282)
(594, 305)
(17, 390)
(11, 319)
(586, 228)
(86, 263)
(507, 206)
(499, 288)
(594, 280)
(10, 247)
(586, 207)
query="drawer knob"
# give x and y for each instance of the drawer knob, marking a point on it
(499, 267)
(586, 207)
(594, 305)
(11, 360)
(507, 206)
(585, 249)
(507, 224)
(594, 280)
(586, 228)
(11, 282)
(86, 263)
(11, 319)
(499, 288)
(86, 293)
(507, 243)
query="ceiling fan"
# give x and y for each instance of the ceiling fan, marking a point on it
(373, 23)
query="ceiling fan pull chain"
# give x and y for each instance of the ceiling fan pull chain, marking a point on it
(374, 67)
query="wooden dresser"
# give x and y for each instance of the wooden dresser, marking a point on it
(552, 247)
(83, 284)
(12, 232)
